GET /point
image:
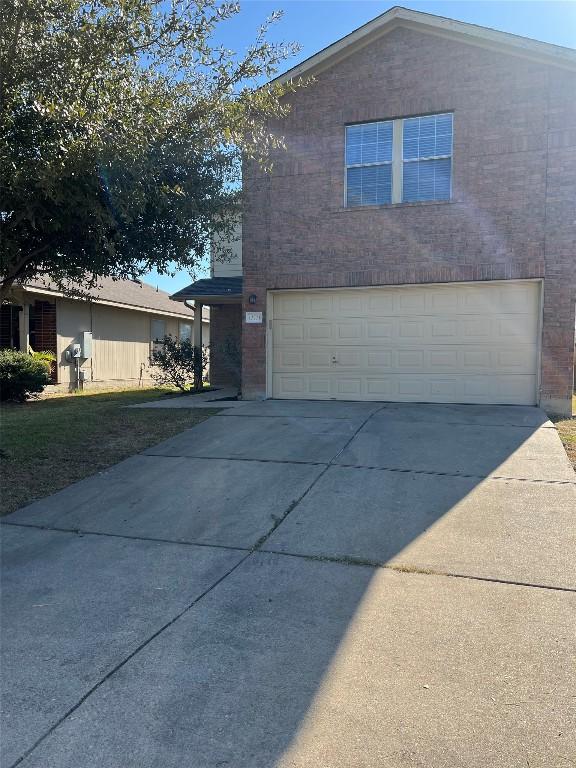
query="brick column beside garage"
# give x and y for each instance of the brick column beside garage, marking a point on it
(557, 382)
(512, 213)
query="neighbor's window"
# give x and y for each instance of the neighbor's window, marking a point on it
(185, 331)
(369, 163)
(157, 333)
(427, 158)
(399, 161)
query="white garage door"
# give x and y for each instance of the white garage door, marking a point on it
(459, 343)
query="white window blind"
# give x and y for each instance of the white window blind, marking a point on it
(427, 158)
(369, 163)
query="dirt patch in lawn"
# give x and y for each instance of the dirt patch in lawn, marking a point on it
(48, 444)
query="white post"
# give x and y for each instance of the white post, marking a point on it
(197, 324)
(23, 320)
(198, 343)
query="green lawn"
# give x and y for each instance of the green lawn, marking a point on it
(48, 444)
(567, 431)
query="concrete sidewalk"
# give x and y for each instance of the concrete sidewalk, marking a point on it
(301, 584)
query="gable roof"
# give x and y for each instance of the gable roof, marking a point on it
(131, 294)
(440, 25)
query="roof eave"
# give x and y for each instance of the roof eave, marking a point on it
(224, 298)
(107, 303)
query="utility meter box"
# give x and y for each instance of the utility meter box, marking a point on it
(86, 344)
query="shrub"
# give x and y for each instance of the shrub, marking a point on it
(21, 375)
(47, 357)
(178, 363)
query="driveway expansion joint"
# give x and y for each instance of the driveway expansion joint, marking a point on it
(332, 463)
(84, 532)
(335, 559)
(237, 458)
(407, 569)
(403, 470)
(277, 416)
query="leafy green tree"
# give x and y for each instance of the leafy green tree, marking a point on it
(122, 125)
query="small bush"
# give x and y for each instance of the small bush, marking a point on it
(21, 375)
(47, 357)
(179, 364)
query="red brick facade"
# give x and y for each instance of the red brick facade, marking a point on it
(513, 209)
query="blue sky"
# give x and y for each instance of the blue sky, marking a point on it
(318, 23)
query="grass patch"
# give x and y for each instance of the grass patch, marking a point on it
(567, 431)
(48, 444)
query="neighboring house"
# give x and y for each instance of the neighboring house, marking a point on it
(416, 239)
(124, 317)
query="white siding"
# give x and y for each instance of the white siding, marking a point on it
(230, 267)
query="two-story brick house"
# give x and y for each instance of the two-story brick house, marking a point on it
(416, 238)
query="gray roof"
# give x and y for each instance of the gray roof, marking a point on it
(131, 293)
(215, 286)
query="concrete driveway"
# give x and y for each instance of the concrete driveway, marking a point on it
(298, 584)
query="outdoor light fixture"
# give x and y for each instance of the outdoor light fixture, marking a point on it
(252, 298)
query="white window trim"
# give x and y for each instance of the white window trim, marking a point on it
(397, 163)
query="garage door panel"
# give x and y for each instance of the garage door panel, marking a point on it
(320, 305)
(350, 331)
(380, 329)
(425, 360)
(453, 329)
(512, 390)
(290, 332)
(455, 343)
(316, 330)
(381, 303)
(381, 359)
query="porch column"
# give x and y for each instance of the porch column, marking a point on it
(198, 324)
(24, 327)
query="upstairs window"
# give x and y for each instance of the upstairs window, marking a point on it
(369, 163)
(427, 158)
(399, 161)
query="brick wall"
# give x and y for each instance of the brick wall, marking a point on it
(514, 181)
(225, 339)
(560, 245)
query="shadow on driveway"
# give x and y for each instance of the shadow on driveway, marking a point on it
(221, 608)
